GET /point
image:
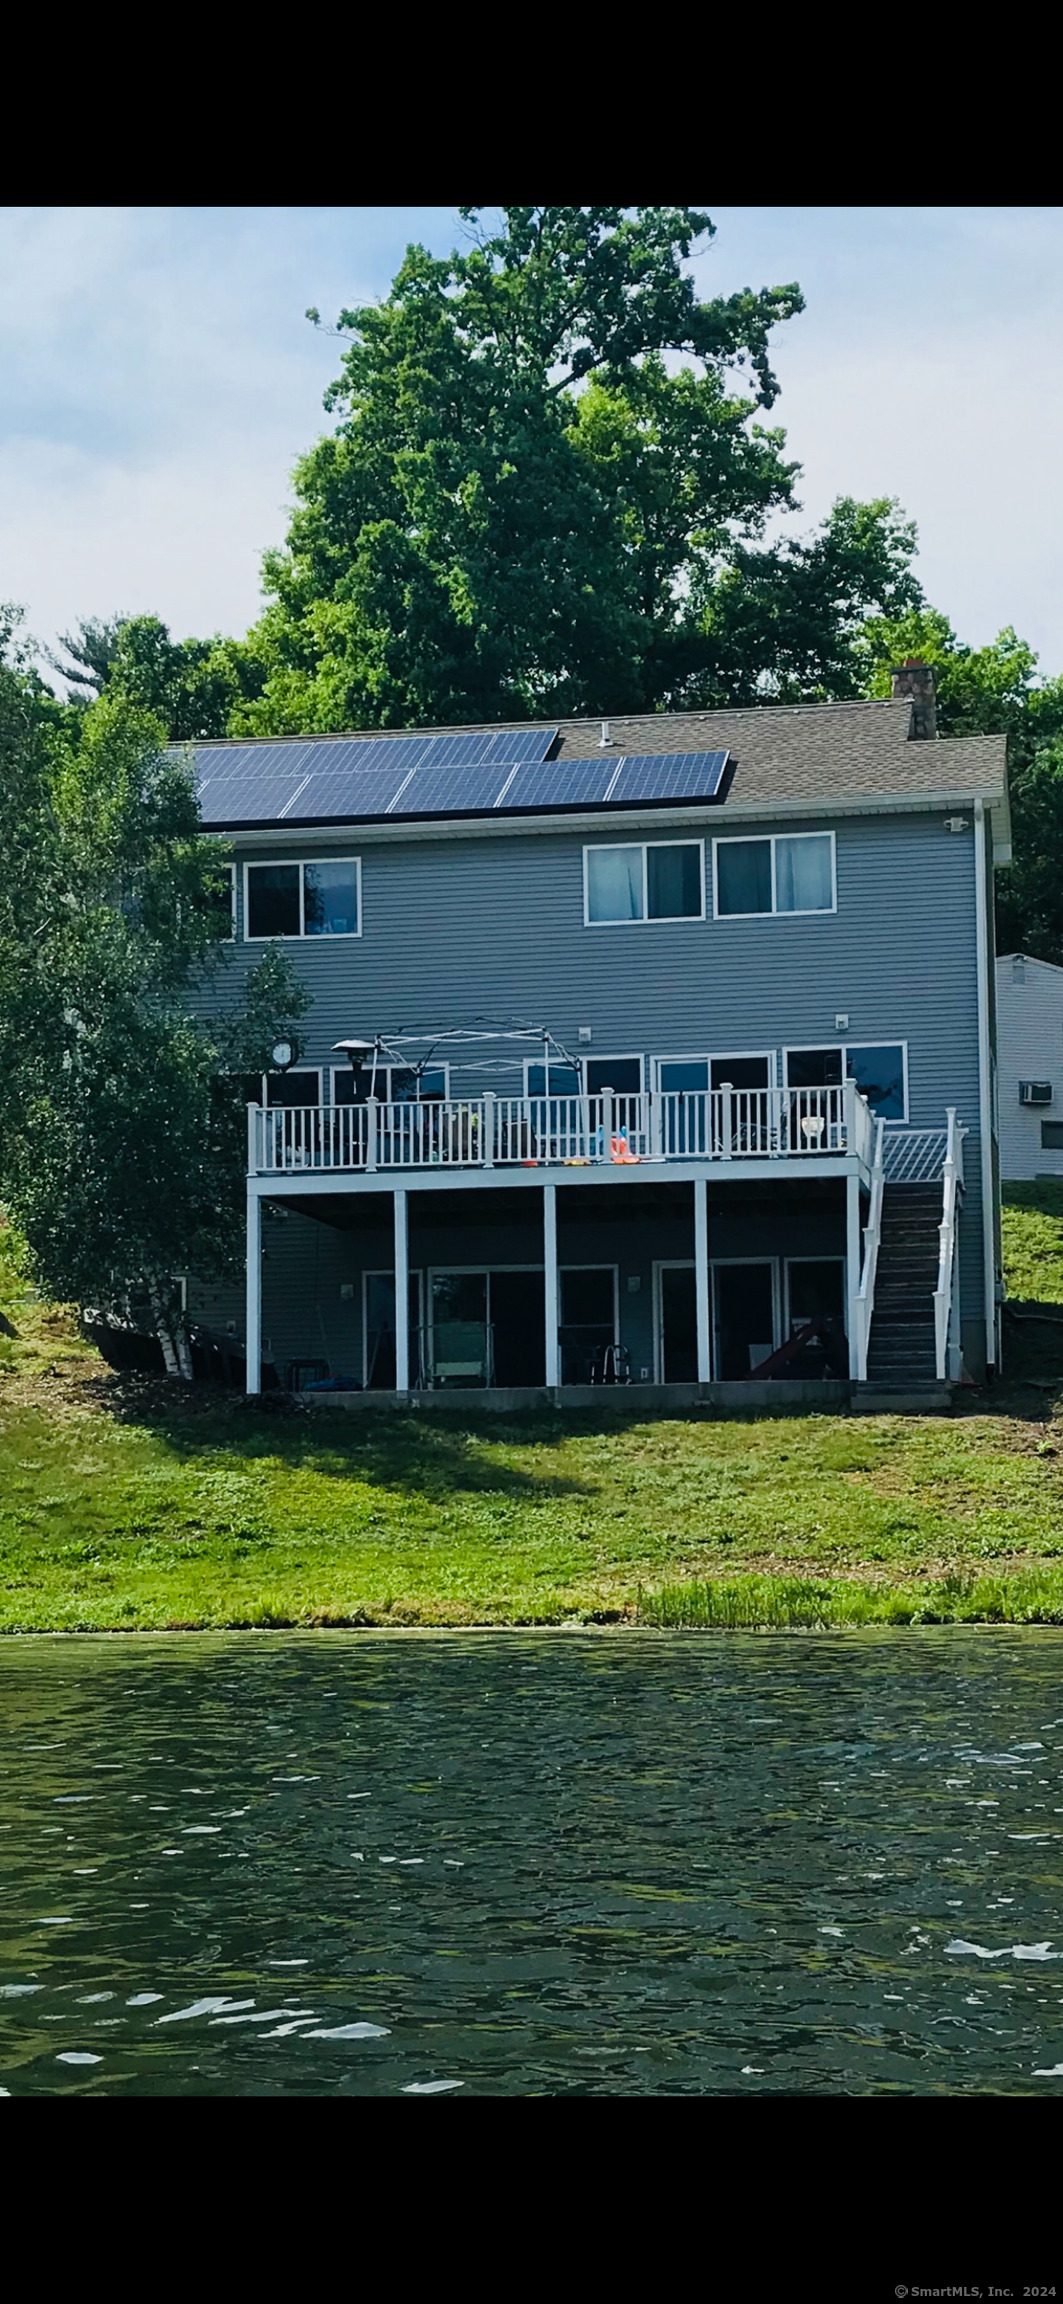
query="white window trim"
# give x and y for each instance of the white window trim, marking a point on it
(787, 1261)
(660, 920)
(295, 1072)
(299, 864)
(716, 1264)
(386, 1272)
(664, 1264)
(767, 1056)
(818, 912)
(383, 1075)
(842, 1047)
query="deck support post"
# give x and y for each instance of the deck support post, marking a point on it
(701, 1277)
(253, 1316)
(402, 1291)
(553, 1342)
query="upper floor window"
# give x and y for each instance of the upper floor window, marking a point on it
(307, 899)
(650, 880)
(787, 872)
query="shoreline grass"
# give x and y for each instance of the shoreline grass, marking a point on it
(791, 1604)
(127, 1504)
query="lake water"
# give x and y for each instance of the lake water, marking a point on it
(613, 1864)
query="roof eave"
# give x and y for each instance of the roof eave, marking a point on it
(701, 814)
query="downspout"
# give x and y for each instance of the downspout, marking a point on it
(985, 1085)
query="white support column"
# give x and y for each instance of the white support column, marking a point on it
(402, 1292)
(553, 1347)
(852, 1271)
(701, 1276)
(253, 1317)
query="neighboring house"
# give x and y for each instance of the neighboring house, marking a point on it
(1029, 1066)
(662, 1021)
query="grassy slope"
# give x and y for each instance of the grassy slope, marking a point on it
(121, 1506)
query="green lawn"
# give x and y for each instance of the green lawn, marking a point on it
(123, 1507)
(1033, 1241)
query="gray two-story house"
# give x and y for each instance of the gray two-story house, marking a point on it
(654, 1050)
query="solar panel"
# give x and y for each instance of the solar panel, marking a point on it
(365, 793)
(506, 746)
(665, 776)
(224, 771)
(559, 784)
(360, 778)
(253, 759)
(248, 799)
(453, 791)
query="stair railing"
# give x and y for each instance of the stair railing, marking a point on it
(947, 1349)
(864, 1303)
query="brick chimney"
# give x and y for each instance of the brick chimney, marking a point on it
(913, 683)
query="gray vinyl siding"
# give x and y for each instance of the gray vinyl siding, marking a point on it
(466, 926)
(454, 929)
(1030, 1047)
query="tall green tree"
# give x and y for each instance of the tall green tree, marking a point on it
(122, 1114)
(547, 491)
(987, 691)
(191, 686)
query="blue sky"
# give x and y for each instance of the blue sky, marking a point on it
(158, 380)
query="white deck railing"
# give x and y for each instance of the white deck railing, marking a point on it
(946, 1294)
(864, 1301)
(563, 1131)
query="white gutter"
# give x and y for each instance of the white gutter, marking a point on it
(985, 1084)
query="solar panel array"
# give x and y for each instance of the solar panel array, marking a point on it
(362, 779)
(350, 776)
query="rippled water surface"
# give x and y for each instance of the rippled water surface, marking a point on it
(516, 1865)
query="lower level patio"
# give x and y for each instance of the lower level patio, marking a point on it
(503, 1286)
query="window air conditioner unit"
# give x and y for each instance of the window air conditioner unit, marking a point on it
(1035, 1092)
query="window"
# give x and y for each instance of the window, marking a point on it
(314, 899)
(394, 1084)
(1052, 1135)
(653, 881)
(684, 1074)
(291, 1088)
(814, 1067)
(879, 1074)
(621, 1073)
(880, 1071)
(589, 1320)
(552, 1080)
(791, 872)
(815, 1289)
